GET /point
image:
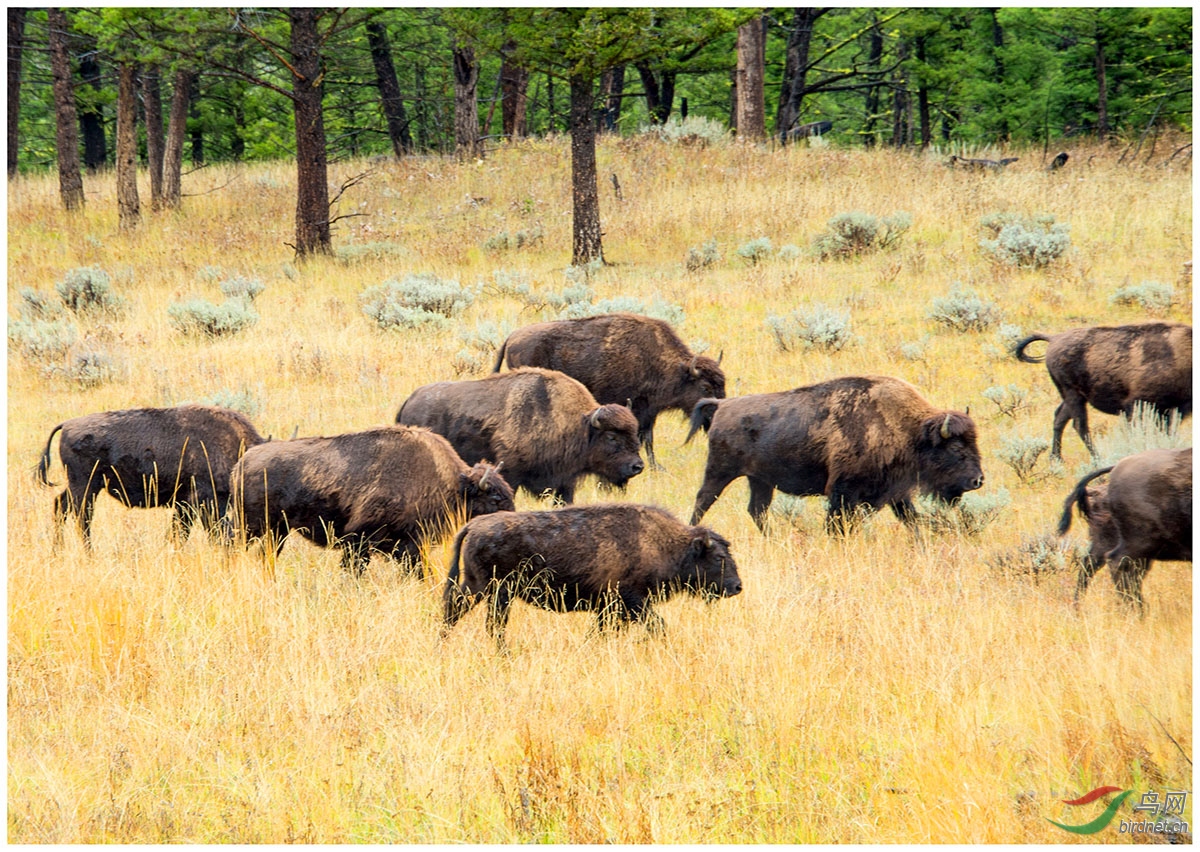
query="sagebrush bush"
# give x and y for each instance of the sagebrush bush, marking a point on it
(243, 288)
(856, 233)
(417, 300)
(244, 400)
(755, 251)
(970, 516)
(42, 340)
(89, 290)
(915, 350)
(1037, 556)
(790, 252)
(1022, 453)
(575, 293)
(694, 130)
(1152, 296)
(1146, 429)
(1010, 399)
(504, 241)
(964, 310)
(1025, 242)
(656, 308)
(508, 283)
(90, 366)
(202, 318)
(39, 305)
(584, 273)
(365, 252)
(703, 256)
(815, 327)
(486, 336)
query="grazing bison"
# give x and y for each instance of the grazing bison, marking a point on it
(1146, 514)
(612, 559)
(378, 490)
(1114, 367)
(147, 457)
(543, 426)
(865, 441)
(621, 358)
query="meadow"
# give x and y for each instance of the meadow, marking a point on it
(871, 688)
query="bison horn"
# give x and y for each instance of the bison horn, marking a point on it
(720, 355)
(483, 480)
(594, 419)
(692, 366)
(945, 432)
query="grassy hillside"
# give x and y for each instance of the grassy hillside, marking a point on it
(875, 688)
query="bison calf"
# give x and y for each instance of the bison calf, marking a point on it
(611, 559)
(1143, 515)
(147, 457)
(621, 358)
(1114, 367)
(378, 490)
(862, 441)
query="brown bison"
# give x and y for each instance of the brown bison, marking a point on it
(1144, 514)
(862, 441)
(621, 358)
(380, 490)
(147, 457)
(612, 559)
(543, 426)
(1114, 367)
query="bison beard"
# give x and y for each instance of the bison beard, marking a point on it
(609, 559)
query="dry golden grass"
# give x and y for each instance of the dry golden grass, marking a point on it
(869, 689)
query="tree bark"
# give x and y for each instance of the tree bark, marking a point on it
(128, 209)
(1101, 90)
(66, 139)
(197, 136)
(998, 66)
(466, 109)
(16, 44)
(152, 105)
(901, 106)
(923, 98)
(586, 243)
(91, 118)
(176, 131)
(874, 58)
(751, 58)
(389, 89)
(795, 69)
(660, 92)
(514, 84)
(616, 88)
(312, 187)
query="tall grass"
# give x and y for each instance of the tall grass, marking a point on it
(875, 688)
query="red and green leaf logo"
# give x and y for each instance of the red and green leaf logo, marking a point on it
(1101, 822)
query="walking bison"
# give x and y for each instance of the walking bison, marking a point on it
(862, 441)
(148, 457)
(621, 358)
(1113, 368)
(1145, 513)
(380, 490)
(611, 559)
(544, 427)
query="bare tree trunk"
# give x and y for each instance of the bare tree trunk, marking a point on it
(998, 65)
(466, 109)
(901, 109)
(616, 88)
(197, 137)
(514, 84)
(152, 104)
(1102, 91)
(176, 131)
(91, 117)
(16, 44)
(751, 58)
(874, 58)
(660, 92)
(312, 187)
(389, 89)
(795, 69)
(586, 243)
(66, 140)
(923, 98)
(128, 209)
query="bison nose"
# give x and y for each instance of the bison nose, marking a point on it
(977, 482)
(733, 587)
(636, 468)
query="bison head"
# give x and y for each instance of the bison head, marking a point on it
(708, 568)
(700, 378)
(612, 445)
(948, 456)
(484, 491)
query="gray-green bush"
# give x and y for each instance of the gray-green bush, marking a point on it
(42, 340)
(1152, 296)
(202, 318)
(703, 256)
(856, 233)
(1025, 242)
(755, 251)
(414, 301)
(964, 310)
(89, 289)
(1009, 399)
(1022, 453)
(656, 308)
(238, 286)
(970, 516)
(815, 327)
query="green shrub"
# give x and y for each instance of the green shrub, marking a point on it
(964, 310)
(1029, 243)
(755, 251)
(1154, 297)
(853, 234)
(201, 318)
(1037, 556)
(39, 305)
(504, 241)
(790, 252)
(88, 290)
(42, 340)
(695, 130)
(584, 273)
(514, 284)
(243, 288)
(415, 301)
(973, 513)
(245, 401)
(915, 350)
(575, 293)
(1010, 399)
(1145, 430)
(816, 327)
(486, 336)
(657, 308)
(366, 252)
(87, 366)
(1021, 453)
(703, 256)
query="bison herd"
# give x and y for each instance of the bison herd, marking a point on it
(579, 398)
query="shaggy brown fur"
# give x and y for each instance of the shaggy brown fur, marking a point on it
(621, 358)
(1113, 367)
(544, 427)
(609, 559)
(147, 457)
(868, 441)
(379, 490)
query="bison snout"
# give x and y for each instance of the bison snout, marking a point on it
(976, 483)
(635, 468)
(732, 587)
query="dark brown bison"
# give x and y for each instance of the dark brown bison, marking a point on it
(862, 441)
(612, 559)
(380, 490)
(621, 358)
(1144, 514)
(544, 427)
(146, 457)
(1114, 367)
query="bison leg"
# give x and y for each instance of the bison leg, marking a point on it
(456, 603)
(1087, 568)
(904, 510)
(182, 518)
(761, 493)
(1072, 408)
(356, 553)
(646, 437)
(63, 508)
(497, 617)
(714, 483)
(1127, 576)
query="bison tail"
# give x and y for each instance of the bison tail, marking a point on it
(1078, 495)
(1019, 350)
(44, 463)
(500, 357)
(702, 417)
(455, 558)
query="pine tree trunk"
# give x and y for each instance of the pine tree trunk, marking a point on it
(874, 58)
(514, 83)
(176, 131)
(197, 137)
(91, 118)
(152, 104)
(751, 56)
(1101, 91)
(660, 92)
(389, 89)
(585, 197)
(616, 88)
(923, 99)
(66, 140)
(16, 44)
(128, 209)
(312, 187)
(466, 109)
(795, 69)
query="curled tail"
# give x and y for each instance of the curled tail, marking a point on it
(1078, 495)
(1019, 350)
(455, 558)
(44, 463)
(702, 416)
(500, 356)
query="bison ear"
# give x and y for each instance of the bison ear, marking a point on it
(701, 542)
